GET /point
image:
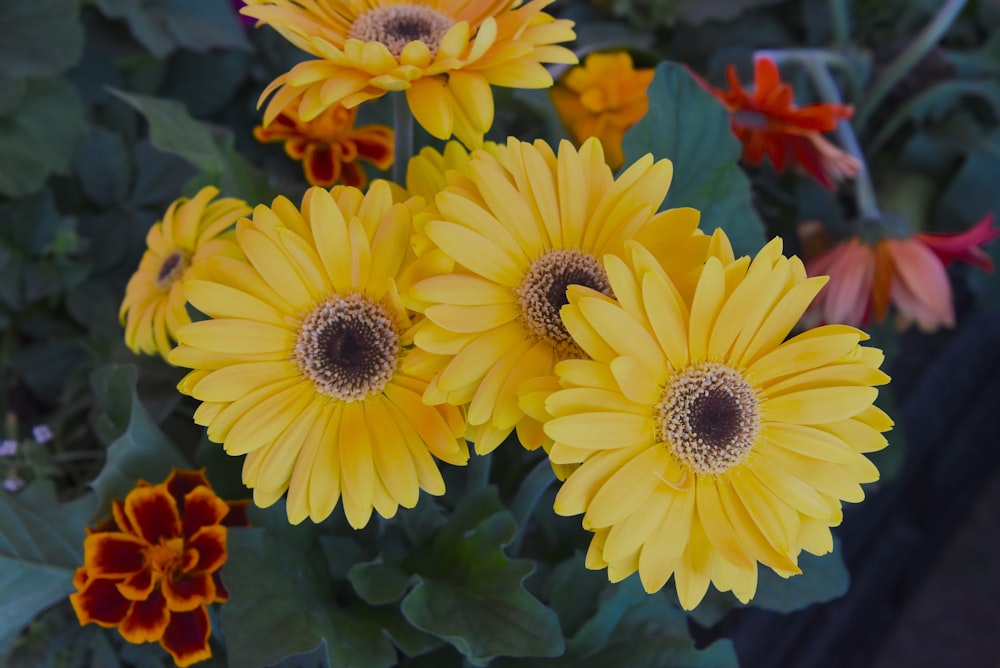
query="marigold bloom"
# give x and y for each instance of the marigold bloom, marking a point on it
(153, 568)
(707, 443)
(603, 98)
(520, 229)
(909, 273)
(329, 146)
(307, 365)
(767, 122)
(444, 53)
(192, 230)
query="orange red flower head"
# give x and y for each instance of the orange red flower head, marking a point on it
(768, 123)
(152, 570)
(330, 147)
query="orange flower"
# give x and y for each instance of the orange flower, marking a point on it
(603, 98)
(154, 567)
(329, 146)
(767, 122)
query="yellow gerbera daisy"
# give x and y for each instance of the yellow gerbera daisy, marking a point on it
(520, 230)
(307, 366)
(706, 441)
(178, 247)
(444, 53)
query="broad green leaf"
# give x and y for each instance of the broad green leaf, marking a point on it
(104, 166)
(688, 126)
(211, 150)
(41, 38)
(284, 602)
(164, 25)
(41, 545)
(139, 449)
(378, 582)
(470, 593)
(823, 579)
(38, 137)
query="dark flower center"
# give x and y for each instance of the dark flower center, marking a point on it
(171, 269)
(395, 26)
(543, 292)
(348, 347)
(709, 417)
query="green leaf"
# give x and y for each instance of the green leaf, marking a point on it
(104, 166)
(38, 137)
(378, 582)
(164, 25)
(41, 545)
(139, 450)
(687, 125)
(471, 594)
(41, 38)
(823, 579)
(283, 602)
(211, 150)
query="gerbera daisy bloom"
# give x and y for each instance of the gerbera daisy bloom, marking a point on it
(153, 568)
(706, 442)
(520, 230)
(306, 365)
(767, 122)
(191, 232)
(444, 53)
(603, 98)
(866, 277)
(330, 147)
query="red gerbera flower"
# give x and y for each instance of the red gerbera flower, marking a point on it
(153, 568)
(767, 122)
(329, 146)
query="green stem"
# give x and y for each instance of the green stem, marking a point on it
(402, 124)
(840, 23)
(531, 490)
(478, 471)
(864, 190)
(905, 61)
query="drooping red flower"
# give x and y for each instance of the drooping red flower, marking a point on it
(767, 122)
(153, 568)
(865, 278)
(329, 146)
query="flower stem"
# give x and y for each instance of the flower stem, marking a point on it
(531, 490)
(840, 23)
(905, 61)
(402, 123)
(478, 474)
(826, 87)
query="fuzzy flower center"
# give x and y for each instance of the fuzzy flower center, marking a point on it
(165, 557)
(709, 417)
(543, 292)
(348, 347)
(395, 26)
(172, 268)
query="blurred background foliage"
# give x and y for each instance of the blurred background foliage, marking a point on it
(110, 109)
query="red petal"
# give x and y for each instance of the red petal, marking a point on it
(181, 482)
(100, 602)
(146, 621)
(354, 175)
(321, 165)
(964, 246)
(237, 516)
(187, 592)
(138, 587)
(80, 577)
(153, 512)
(113, 554)
(186, 636)
(375, 144)
(202, 508)
(118, 515)
(210, 542)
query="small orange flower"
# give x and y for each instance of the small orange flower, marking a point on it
(329, 146)
(767, 122)
(603, 98)
(152, 569)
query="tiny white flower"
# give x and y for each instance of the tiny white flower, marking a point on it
(8, 447)
(13, 483)
(42, 433)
